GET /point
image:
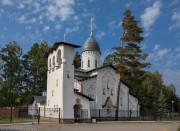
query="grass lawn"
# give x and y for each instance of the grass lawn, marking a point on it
(15, 120)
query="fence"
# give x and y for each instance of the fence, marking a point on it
(38, 115)
(125, 115)
(16, 115)
(103, 115)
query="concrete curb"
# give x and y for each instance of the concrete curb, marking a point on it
(12, 124)
(106, 122)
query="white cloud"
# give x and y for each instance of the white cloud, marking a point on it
(114, 24)
(176, 18)
(158, 53)
(120, 24)
(169, 58)
(156, 47)
(24, 20)
(46, 28)
(58, 26)
(163, 52)
(28, 27)
(143, 46)
(60, 9)
(128, 5)
(1, 11)
(104, 54)
(177, 49)
(100, 35)
(21, 6)
(7, 2)
(70, 30)
(174, 2)
(150, 16)
(37, 7)
(76, 18)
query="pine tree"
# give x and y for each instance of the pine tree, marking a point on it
(77, 60)
(128, 58)
(161, 105)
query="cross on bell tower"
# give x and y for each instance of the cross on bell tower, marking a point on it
(91, 24)
(65, 37)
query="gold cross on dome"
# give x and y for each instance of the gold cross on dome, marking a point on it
(91, 24)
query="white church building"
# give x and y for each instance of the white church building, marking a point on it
(89, 88)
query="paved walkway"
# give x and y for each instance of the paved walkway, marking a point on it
(117, 126)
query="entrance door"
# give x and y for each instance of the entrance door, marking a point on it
(77, 113)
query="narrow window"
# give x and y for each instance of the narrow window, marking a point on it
(82, 64)
(121, 101)
(112, 92)
(50, 63)
(53, 63)
(56, 82)
(52, 93)
(88, 63)
(96, 63)
(53, 60)
(104, 89)
(48, 102)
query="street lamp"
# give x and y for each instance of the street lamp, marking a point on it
(172, 108)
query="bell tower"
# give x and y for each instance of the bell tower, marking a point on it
(60, 79)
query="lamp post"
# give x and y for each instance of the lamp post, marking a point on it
(172, 108)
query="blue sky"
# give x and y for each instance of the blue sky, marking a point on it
(30, 21)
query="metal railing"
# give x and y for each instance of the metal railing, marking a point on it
(38, 115)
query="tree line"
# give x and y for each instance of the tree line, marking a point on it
(22, 75)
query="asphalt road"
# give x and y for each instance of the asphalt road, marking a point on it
(171, 126)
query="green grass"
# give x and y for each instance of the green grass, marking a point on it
(178, 129)
(14, 120)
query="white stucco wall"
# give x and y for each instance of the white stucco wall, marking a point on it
(89, 89)
(134, 106)
(92, 56)
(124, 92)
(60, 82)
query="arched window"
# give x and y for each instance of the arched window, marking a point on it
(53, 60)
(88, 63)
(96, 63)
(59, 59)
(50, 63)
